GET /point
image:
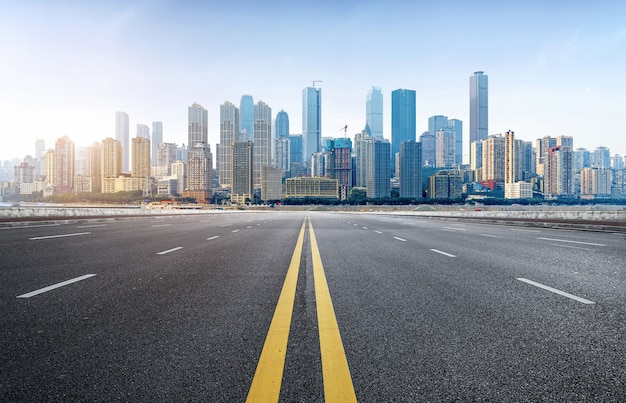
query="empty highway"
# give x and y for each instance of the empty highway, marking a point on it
(310, 306)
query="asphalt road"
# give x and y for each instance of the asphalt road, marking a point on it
(180, 308)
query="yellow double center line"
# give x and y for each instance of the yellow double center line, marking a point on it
(335, 372)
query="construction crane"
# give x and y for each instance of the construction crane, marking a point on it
(345, 131)
(316, 81)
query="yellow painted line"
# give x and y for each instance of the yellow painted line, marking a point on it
(269, 371)
(336, 374)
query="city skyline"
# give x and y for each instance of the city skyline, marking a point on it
(77, 64)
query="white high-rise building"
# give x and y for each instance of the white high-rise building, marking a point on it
(122, 134)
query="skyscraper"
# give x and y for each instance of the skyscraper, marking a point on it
(143, 131)
(122, 130)
(361, 144)
(246, 107)
(262, 140)
(445, 148)
(559, 173)
(140, 162)
(374, 112)
(200, 173)
(479, 107)
(64, 160)
(411, 169)
(493, 160)
(403, 120)
(457, 127)
(229, 131)
(157, 138)
(311, 121)
(428, 142)
(243, 171)
(197, 129)
(378, 184)
(112, 158)
(93, 165)
(339, 164)
(282, 124)
(295, 148)
(435, 123)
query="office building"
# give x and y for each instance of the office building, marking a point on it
(229, 132)
(311, 122)
(374, 112)
(271, 183)
(436, 123)
(445, 147)
(479, 107)
(143, 131)
(315, 187)
(242, 190)
(281, 154)
(445, 185)
(246, 108)
(378, 168)
(166, 156)
(410, 162)
(157, 139)
(122, 134)
(262, 140)
(403, 121)
(429, 155)
(197, 127)
(282, 124)
(295, 148)
(361, 145)
(339, 164)
(457, 128)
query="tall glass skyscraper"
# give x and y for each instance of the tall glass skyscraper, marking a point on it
(157, 138)
(282, 124)
(311, 121)
(374, 112)
(403, 120)
(198, 122)
(479, 107)
(122, 130)
(246, 108)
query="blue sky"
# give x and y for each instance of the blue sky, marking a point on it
(555, 68)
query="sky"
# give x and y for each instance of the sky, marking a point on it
(555, 68)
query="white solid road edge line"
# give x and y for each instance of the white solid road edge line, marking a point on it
(443, 253)
(52, 287)
(570, 241)
(58, 236)
(170, 250)
(554, 290)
